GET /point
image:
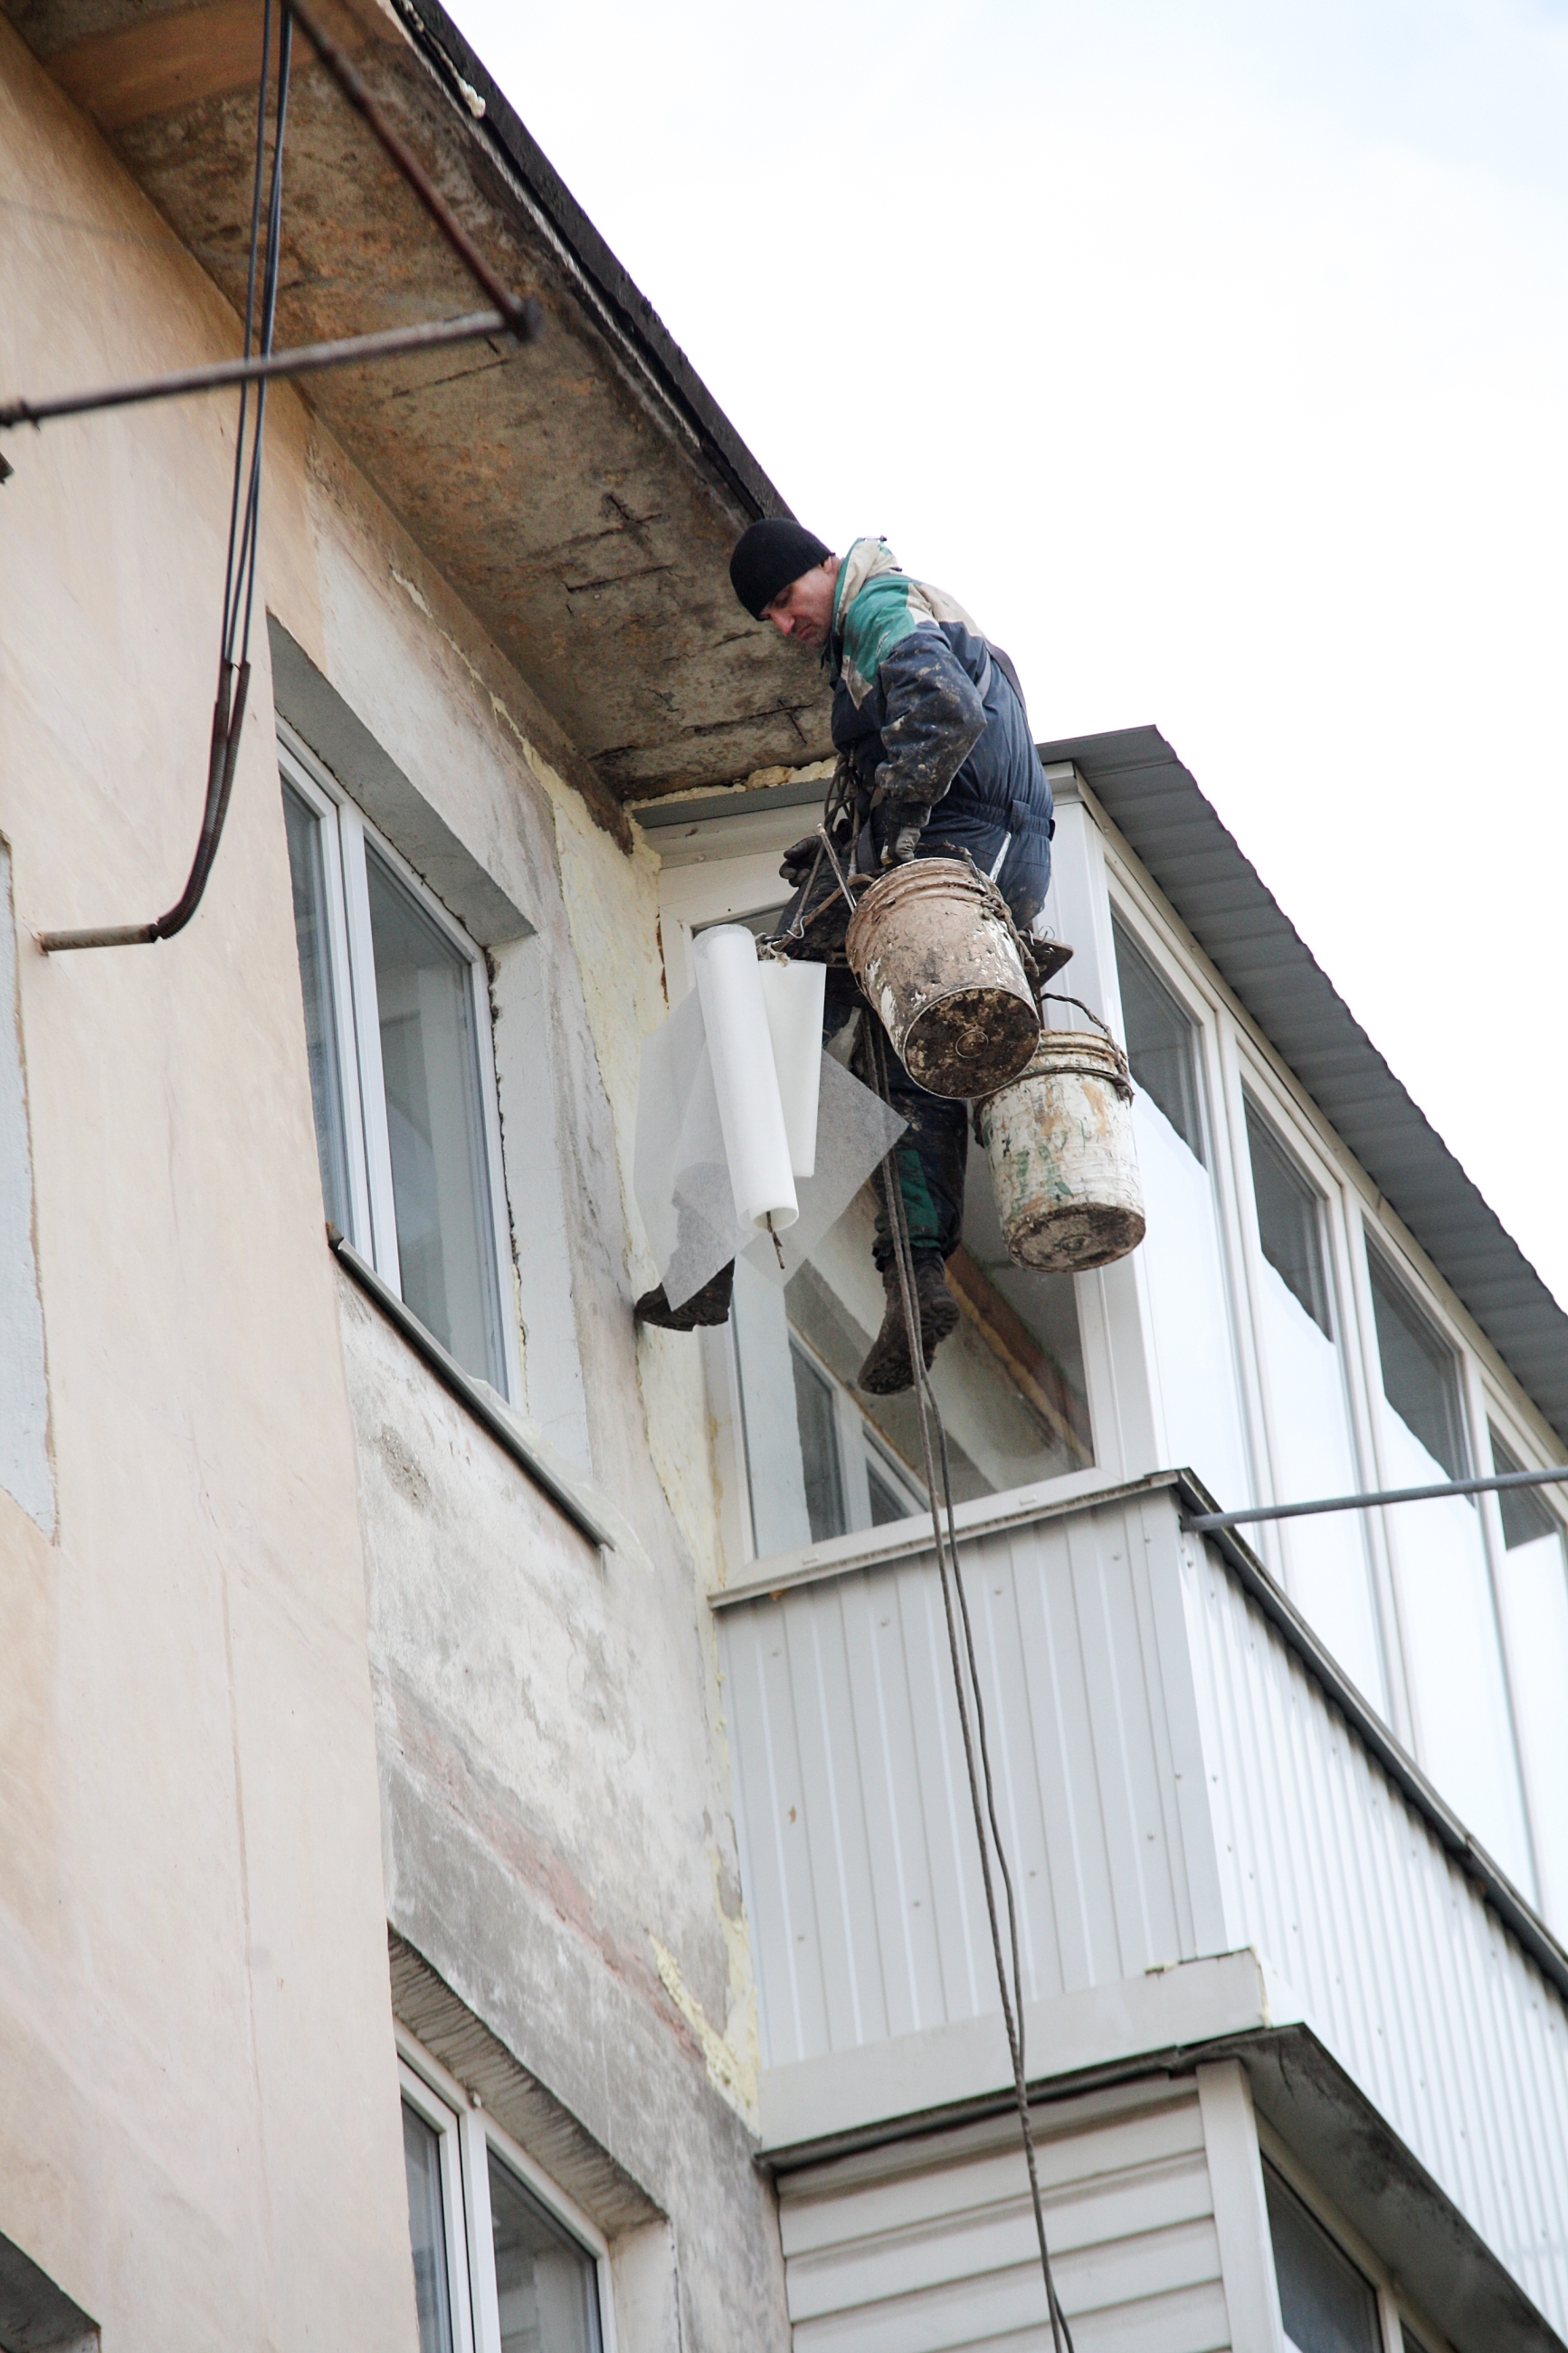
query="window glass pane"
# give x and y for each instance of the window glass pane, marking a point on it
(817, 1419)
(546, 2285)
(1289, 1223)
(1525, 1518)
(887, 1503)
(307, 866)
(427, 2231)
(1159, 1040)
(1420, 1377)
(1326, 2305)
(439, 1179)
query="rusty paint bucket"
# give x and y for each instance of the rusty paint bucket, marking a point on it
(932, 945)
(1064, 1165)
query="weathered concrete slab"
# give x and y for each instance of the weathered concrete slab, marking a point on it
(581, 495)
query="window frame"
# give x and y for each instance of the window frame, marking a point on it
(472, 2133)
(1254, 1115)
(858, 1442)
(346, 834)
(1217, 1076)
(1528, 1453)
(444, 2123)
(1421, 1307)
(1394, 2307)
(1171, 977)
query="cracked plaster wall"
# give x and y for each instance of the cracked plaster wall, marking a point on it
(553, 1750)
(289, 1571)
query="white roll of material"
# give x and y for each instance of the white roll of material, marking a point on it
(793, 994)
(745, 1077)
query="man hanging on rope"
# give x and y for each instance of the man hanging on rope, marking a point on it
(935, 759)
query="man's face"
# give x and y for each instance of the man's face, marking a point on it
(804, 611)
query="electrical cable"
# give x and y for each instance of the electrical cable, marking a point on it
(946, 1542)
(244, 523)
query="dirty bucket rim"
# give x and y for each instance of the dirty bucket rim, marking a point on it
(1056, 1048)
(924, 873)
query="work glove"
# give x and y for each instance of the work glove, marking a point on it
(901, 845)
(800, 858)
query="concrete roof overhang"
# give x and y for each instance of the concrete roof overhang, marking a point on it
(1154, 802)
(582, 494)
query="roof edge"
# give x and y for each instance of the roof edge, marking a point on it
(465, 77)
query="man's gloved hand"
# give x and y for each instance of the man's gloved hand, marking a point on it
(799, 859)
(901, 845)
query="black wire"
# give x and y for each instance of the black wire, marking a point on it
(228, 577)
(250, 543)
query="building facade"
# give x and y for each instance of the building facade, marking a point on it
(484, 1863)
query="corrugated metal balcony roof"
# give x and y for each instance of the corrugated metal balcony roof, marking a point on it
(1155, 802)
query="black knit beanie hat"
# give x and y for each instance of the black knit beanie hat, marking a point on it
(768, 556)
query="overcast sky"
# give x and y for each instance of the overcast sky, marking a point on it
(1215, 353)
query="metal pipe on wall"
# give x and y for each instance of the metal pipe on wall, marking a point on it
(1200, 1522)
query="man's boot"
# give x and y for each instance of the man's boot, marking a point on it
(708, 1305)
(888, 1370)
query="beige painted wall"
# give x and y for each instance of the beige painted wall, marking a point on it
(198, 2113)
(198, 2121)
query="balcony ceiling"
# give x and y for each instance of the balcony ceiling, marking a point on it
(581, 495)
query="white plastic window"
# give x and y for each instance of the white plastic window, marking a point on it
(1532, 1601)
(1461, 1717)
(1161, 1046)
(1181, 1262)
(500, 2264)
(850, 1477)
(1311, 1436)
(397, 1033)
(1327, 2304)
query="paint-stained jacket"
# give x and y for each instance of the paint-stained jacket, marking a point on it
(931, 717)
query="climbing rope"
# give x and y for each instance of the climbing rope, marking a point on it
(976, 1752)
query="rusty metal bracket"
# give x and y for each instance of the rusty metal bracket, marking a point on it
(522, 315)
(518, 315)
(305, 359)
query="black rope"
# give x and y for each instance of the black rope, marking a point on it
(946, 1542)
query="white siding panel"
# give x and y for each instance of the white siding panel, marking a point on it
(1446, 2024)
(863, 1887)
(1173, 1781)
(930, 2247)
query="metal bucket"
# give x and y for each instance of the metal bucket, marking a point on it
(932, 945)
(1064, 1165)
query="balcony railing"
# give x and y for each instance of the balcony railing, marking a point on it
(1182, 1774)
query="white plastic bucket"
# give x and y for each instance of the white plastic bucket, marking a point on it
(1064, 1165)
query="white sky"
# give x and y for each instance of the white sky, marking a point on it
(1214, 353)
